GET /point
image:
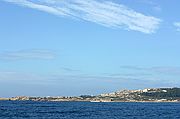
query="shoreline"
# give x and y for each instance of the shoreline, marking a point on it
(95, 101)
(146, 95)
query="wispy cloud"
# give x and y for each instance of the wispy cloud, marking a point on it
(84, 81)
(70, 69)
(102, 12)
(153, 4)
(12, 75)
(157, 8)
(27, 54)
(167, 70)
(177, 25)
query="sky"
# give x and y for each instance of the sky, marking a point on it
(77, 47)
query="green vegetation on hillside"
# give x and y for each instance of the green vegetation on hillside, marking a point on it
(163, 93)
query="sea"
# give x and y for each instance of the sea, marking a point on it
(88, 110)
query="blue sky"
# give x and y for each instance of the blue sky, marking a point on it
(74, 47)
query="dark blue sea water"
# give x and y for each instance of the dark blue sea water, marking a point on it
(87, 110)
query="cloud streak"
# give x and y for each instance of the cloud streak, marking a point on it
(86, 80)
(167, 70)
(105, 13)
(27, 54)
(177, 25)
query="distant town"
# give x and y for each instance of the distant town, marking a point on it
(145, 95)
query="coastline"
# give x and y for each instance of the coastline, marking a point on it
(7, 99)
(145, 95)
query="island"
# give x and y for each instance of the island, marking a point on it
(145, 95)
